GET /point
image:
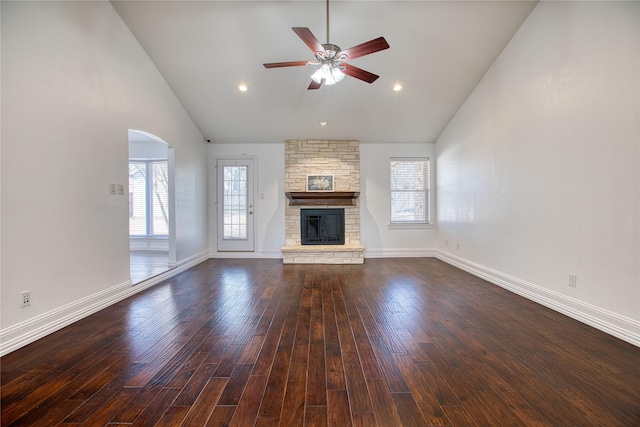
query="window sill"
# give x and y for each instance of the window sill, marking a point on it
(409, 226)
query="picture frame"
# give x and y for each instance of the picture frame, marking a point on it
(319, 182)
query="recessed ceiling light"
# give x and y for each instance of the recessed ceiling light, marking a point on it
(243, 88)
(323, 123)
(397, 87)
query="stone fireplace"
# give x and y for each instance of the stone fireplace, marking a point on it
(320, 157)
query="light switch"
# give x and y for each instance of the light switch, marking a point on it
(112, 189)
(121, 189)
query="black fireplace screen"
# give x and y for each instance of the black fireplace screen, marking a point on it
(322, 226)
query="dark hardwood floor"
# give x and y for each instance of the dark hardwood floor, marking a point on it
(146, 264)
(392, 342)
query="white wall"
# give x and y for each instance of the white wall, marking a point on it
(269, 201)
(538, 173)
(377, 236)
(147, 150)
(74, 80)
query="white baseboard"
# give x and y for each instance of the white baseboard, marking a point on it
(398, 253)
(613, 324)
(369, 253)
(161, 245)
(23, 333)
(266, 253)
(26, 332)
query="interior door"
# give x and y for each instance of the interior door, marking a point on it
(235, 186)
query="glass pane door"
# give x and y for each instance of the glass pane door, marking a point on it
(235, 210)
(235, 202)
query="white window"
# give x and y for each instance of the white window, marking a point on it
(148, 198)
(410, 190)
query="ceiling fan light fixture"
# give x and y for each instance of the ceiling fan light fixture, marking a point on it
(330, 73)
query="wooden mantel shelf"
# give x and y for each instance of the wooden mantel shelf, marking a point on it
(321, 198)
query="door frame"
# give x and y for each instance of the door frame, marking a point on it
(252, 181)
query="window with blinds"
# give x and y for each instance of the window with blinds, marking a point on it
(409, 190)
(148, 198)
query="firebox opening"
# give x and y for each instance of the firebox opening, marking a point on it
(322, 226)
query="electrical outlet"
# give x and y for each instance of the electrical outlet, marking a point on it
(573, 280)
(25, 298)
(446, 243)
(457, 246)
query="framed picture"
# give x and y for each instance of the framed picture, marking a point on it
(319, 182)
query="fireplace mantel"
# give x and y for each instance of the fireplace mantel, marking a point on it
(320, 198)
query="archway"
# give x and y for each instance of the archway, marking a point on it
(152, 237)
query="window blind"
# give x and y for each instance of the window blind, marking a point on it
(148, 198)
(409, 190)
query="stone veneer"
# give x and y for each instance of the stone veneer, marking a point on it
(316, 157)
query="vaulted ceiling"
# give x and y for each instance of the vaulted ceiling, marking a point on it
(205, 49)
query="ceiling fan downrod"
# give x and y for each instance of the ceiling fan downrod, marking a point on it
(331, 50)
(328, 22)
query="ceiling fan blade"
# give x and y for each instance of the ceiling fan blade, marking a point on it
(366, 48)
(285, 64)
(313, 85)
(359, 73)
(309, 39)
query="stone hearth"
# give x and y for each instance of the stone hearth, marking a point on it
(325, 254)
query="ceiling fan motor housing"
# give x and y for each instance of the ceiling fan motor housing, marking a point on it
(331, 50)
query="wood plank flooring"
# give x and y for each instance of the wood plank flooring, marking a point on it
(146, 264)
(392, 342)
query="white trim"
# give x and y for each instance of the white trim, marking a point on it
(369, 253)
(409, 225)
(427, 192)
(149, 244)
(171, 164)
(30, 330)
(171, 171)
(23, 333)
(267, 253)
(236, 245)
(399, 253)
(178, 268)
(622, 327)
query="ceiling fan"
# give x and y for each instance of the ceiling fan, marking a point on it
(331, 59)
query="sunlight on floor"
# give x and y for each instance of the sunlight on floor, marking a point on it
(146, 264)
